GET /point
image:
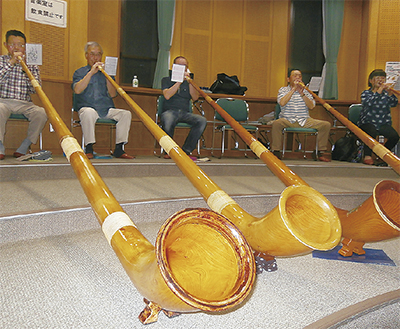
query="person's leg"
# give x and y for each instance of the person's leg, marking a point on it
(390, 134)
(88, 117)
(37, 119)
(370, 129)
(323, 128)
(4, 115)
(169, 120)
(124, 119)
(277, 136)
(198, 124)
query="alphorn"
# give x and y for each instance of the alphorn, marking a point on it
(376, 219)
(386, 155)
(303, 221)
(183, 273)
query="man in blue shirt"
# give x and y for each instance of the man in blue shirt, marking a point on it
(375, 118)
(176, 109)
(93, 95)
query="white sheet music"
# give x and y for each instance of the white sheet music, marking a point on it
(315, 83)
(33, 54)
(178, 73)
(111, 65)
(393, 74)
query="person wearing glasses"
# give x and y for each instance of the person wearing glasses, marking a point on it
(93, 95)
(15, 93)
(375, 116)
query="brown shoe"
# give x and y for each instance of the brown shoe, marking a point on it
(90, 155)
(125, 156)
(17, 154)
(368, 161)
(323, 159)
(166, 156)
(320, 157)
(2, 156)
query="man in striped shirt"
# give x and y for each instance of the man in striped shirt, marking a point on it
(295, 103)
(15, 90)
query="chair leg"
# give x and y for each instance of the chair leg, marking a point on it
(283, 145)
(223, 142)
(305, 146)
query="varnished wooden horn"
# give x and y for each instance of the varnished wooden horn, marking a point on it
(184, 273)
(386, 155)
(317, 229)
(353, 241)
(377, 219)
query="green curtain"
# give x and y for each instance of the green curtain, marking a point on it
(332, 13)
(165, 19)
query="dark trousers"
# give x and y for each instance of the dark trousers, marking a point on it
(387, 131)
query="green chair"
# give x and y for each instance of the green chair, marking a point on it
(21, 117)
(297, 131)
(180, 125)
(354, 112)
(237, 109)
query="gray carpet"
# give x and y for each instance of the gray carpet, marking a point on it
(58, 271)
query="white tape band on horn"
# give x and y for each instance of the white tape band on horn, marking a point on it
(257, 148)
(70, 145)
(380, 150)
(115, 222)
(218, 200)
(167, 143)
(35, 84)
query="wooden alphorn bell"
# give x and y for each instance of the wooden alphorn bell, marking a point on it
(183, 273)
(303, 221)
(377, 218)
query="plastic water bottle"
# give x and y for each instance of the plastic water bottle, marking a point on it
(135, 82)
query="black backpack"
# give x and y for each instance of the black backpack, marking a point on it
(227, 85)
(345, 148)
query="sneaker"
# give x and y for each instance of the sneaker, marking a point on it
(205, 159)
(193, 158)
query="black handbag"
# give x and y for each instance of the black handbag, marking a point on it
(226, 84)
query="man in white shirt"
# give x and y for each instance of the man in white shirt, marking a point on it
(295, 103)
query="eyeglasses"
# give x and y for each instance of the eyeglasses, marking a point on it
(15, 45)
(95, 54)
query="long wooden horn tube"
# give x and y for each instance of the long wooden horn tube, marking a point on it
(183, 273)
(290, 229)
(375, 220)
(386, 155)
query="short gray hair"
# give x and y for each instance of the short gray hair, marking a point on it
(92, 44)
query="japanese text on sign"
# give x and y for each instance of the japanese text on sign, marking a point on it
(51, 12)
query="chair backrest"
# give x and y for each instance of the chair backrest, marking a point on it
(236, 108)
(160, 104)
(354, 112)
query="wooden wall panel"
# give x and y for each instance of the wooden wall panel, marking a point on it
(54, 41)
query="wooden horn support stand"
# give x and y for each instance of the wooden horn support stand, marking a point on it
(378, 218)
(280, 233)
(182, 273)
(381, 208)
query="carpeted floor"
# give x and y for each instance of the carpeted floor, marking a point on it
(58, 271)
